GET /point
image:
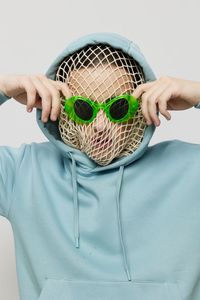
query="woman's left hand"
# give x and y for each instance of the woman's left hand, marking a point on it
(166, 93)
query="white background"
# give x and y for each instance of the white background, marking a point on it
(33, 33)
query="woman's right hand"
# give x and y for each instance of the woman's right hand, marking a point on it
(36, 91)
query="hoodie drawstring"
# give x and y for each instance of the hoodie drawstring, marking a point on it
(121, 171)
(75, 201)
(76, 212)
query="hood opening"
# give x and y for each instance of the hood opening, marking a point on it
(51, 130)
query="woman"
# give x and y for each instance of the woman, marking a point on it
(95, 212)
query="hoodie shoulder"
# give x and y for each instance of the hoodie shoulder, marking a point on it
(10, 160)
(43, 149)
(175, 150)
(45, 153)
(17, 164)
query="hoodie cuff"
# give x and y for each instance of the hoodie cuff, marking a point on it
(197, 105)
(3, 97)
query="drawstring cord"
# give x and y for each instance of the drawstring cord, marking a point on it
(76, 212)
(75, 201)
(121, 170)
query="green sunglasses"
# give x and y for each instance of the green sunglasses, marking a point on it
(83, 110)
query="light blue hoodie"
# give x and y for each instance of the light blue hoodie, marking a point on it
(129, 230)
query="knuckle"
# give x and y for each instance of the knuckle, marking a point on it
(47, 95)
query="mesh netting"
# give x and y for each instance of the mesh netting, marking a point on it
(100, 72)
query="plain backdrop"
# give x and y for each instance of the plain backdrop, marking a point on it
(33, 33)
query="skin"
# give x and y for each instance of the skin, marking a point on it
(166, 93)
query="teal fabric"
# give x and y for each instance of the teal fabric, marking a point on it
(3, 97)
(128, 230)
(197, 105)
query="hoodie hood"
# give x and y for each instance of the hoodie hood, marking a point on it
(50, 128)
(80, 159)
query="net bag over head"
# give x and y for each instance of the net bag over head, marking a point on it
(100, 73)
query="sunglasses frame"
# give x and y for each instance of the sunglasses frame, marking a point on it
(132, 102)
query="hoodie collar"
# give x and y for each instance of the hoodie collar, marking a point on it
(80, 159)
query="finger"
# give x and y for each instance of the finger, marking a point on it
(157, 101)
(140, 89)
(64, 90)
(148, 110)
(145, 110)
(46, 97)
(152, 105)
(31, 92)
(63, 87)
(55, 92)
(162, 102)
(151, 102)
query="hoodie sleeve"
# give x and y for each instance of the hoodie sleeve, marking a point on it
(3, 97)
(10, 159)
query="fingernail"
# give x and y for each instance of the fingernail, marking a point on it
(54, 117)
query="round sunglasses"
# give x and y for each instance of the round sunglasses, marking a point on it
(83, 110)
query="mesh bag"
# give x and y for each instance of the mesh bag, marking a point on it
(100, 72)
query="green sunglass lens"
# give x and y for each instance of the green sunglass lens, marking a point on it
(83, 110)
(119, 109)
